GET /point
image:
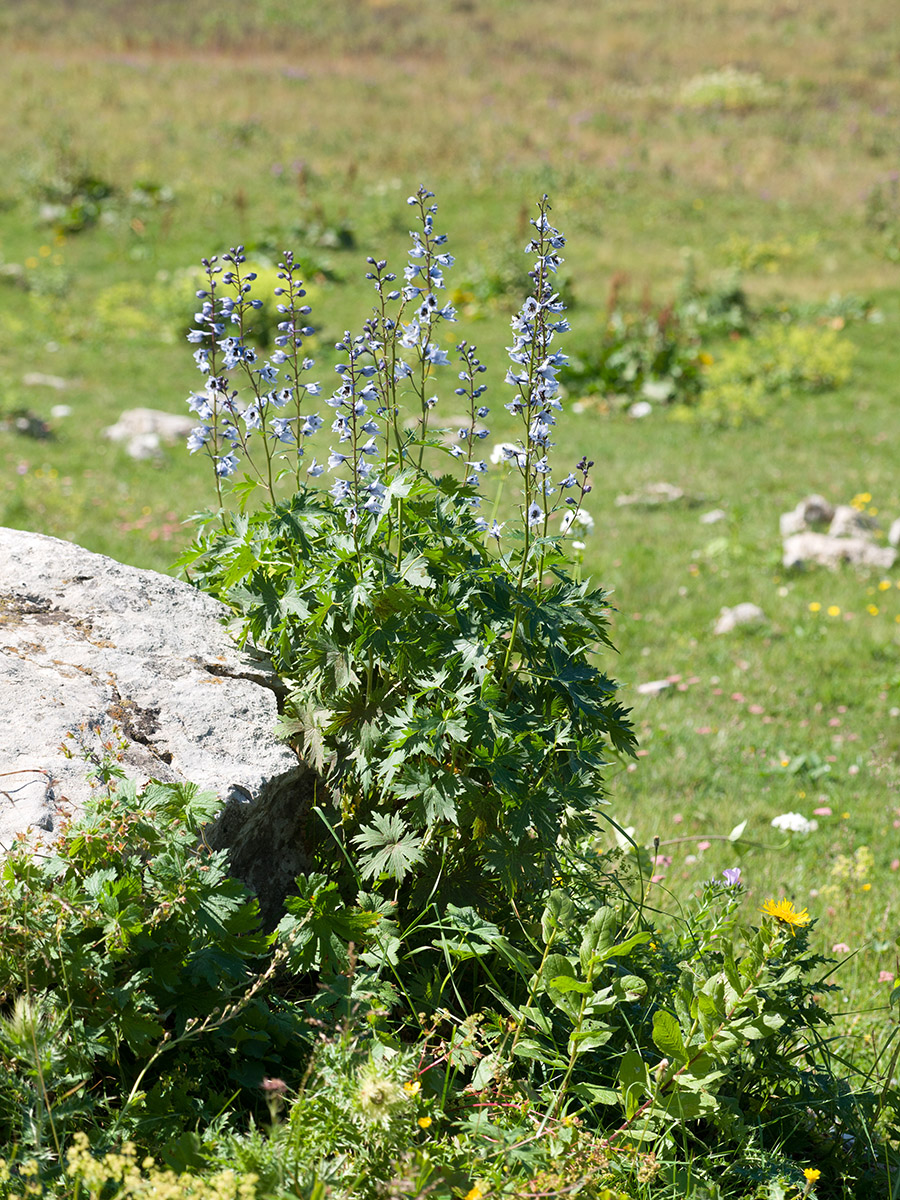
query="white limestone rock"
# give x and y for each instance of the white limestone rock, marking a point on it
(89, 644)
(742, 614)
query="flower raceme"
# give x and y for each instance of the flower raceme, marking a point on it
(256, 413)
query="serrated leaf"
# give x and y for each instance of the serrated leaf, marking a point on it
(413, 571)
(394, 848)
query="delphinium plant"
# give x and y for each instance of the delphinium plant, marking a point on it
(439, 663)
(441, 679)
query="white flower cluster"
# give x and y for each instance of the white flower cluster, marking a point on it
(794, 823)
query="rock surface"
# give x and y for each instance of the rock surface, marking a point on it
(144, 430)
(88, 644)
(851, 536)
(742, 614)
(830, 551)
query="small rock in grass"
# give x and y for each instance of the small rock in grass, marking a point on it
(829, 551)
(640, 408)
(654, 687)
(741, 614)
(144, 430)
(39, 379)
(713, 516)
(850, 522)
(653, 493)
(894, 533)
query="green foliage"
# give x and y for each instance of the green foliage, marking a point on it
(679, 356)
(129, 970)
(446, 694)
(751, 376)
(401, 692)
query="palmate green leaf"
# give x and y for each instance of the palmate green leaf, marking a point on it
(413, 571)
(393, 848)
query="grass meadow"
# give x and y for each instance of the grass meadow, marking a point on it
(265, 125)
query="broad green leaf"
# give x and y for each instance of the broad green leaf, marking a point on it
(667, 1036)
(684, 1106)
(594, 1094)
(599, 936)
(633, 1081)
(588, 1039)
(558, 914)
(565, 983)
(528, 1048)
(629, 987)
(485, 1071)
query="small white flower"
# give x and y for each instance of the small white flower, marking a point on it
(503, 452)
(577, 517)
(792, 822)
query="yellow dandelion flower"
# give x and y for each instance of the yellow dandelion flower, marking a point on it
(412, 1088)
(785, 912)
(872, 610)
(811, 1174)
(884, 586)
(424, 1122)
(866, 887)
(31, 263)
(834, 610)
(475, 1194)
(845, 816)
(815, 606)
(45, 252)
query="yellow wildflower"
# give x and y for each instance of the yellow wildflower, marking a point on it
(785, 912)
(884, 586)
(475, 1194)
(872, 610)
(834, 610)
(815, 606)
(424, 1122)
(811, 1174)
(412, 1088)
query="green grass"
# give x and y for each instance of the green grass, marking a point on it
(263, 119)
